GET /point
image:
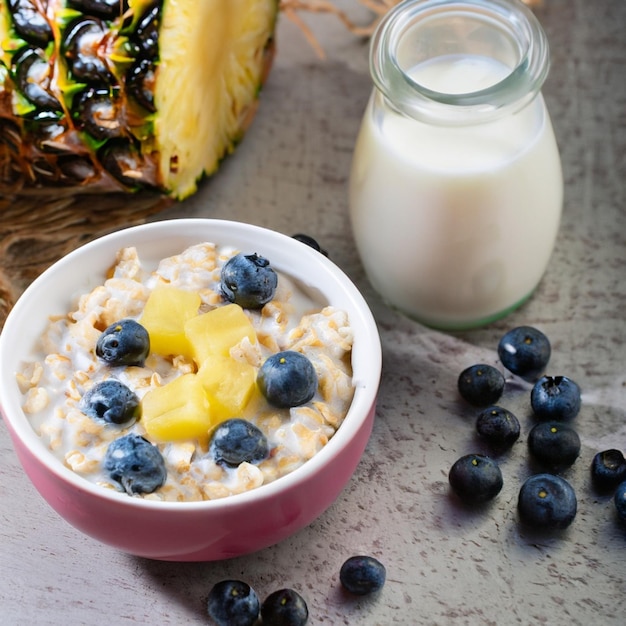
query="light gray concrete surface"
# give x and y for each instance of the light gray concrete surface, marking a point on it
(445, 564)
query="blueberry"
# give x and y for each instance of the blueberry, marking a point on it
(124, 343)
(284, 607)
(361, 575)
(475, 478)
(608, 469)
(620, 501)
(135, 464)
(287, 379)
(237, 440)
(233, 603)
(547, 501)
(248, 280)
(498, 427)
(309, 241)
(525, 351)
(481, 385)
(554, 444)
(555, 398)
(111, 401)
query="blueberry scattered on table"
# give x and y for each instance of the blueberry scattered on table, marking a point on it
(135, 464)
(233, 603)
(112, 401)
(547, 501)
(362, 575)
(555, 398)
(554, 444)
(284, 607)
(287, 379)
(309, 241)
(237, 440)
(124, 343)
(620, 501)
(475, 478)
(608, 469)
(248, 280)
(498, 427)
(481, 384)
(525, 351)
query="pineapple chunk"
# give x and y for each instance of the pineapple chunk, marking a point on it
(164, 316)
(229, 385)
(179, 410)
(216, 332)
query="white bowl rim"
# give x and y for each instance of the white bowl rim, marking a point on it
(366, 388)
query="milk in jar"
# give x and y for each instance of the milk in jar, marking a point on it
(455, 212)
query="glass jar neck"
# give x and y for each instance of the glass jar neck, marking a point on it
(417, 32)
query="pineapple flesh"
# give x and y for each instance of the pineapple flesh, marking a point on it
(164, 316)
(190, 406)
(217, 331)
(225, 60)
(110, 95)
(229, 385)
(178, 411)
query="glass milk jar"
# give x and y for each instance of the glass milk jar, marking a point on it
(456, 187)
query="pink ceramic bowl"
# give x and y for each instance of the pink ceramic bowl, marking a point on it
(191, 531)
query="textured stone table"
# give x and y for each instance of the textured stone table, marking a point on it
(446, 565)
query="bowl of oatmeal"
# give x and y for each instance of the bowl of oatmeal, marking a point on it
(190, 389)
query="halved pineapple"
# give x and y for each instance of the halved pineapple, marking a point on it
(126, 94)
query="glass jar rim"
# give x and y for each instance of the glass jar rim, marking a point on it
(513, 92)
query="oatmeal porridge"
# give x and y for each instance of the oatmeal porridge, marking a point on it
(201, 373)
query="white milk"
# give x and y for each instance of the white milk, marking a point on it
(455, 224)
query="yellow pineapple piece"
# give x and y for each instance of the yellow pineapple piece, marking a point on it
(229, 385)
(178, 410)
(164, 316)
(216, 332)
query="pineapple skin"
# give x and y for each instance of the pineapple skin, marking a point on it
(212, 61)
